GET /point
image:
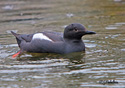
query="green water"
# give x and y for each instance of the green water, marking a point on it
(104, 58)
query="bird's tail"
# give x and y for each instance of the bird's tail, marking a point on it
(18, 38)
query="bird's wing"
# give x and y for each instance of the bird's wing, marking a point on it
(55, 36)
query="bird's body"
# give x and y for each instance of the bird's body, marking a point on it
(52, 42)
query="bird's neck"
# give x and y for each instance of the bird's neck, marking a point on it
(73, 40)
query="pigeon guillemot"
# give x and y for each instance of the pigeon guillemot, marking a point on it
(52, 42)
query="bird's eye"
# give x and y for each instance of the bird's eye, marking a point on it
(75, 29)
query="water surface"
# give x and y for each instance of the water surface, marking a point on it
(104, 58)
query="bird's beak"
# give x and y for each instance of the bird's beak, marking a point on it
(90, 32)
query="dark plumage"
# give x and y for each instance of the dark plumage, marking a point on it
(52, 42)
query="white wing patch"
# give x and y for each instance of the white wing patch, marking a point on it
(41, 36)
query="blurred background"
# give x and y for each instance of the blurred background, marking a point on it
(104, 58)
